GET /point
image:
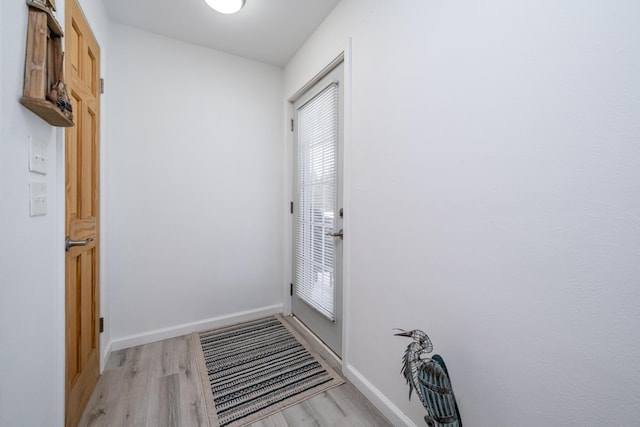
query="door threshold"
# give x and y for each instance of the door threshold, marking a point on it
(330, 352)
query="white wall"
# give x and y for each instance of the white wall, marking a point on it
(194, 180)
(28, 255)
(31, 249)
(493, 181)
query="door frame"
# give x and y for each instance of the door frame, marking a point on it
(344, 55)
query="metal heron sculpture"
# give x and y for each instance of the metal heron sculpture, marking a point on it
(428, 376)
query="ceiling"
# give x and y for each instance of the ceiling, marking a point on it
(269, 31)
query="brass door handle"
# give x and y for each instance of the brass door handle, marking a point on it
(339, 234)
(68, 243)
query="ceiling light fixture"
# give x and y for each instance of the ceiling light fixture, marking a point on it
(226, 6)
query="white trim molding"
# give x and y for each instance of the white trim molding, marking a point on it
(375, 396)
(104, 357)
(346, 203)
(187, 328)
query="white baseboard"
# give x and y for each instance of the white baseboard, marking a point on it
(187, 328)
(379, 400)
(106, 352)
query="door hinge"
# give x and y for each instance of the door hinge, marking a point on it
(291, 207)
(291, 289)
(291, 125)
(101, 324)
(101, 85)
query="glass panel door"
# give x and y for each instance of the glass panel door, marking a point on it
(317, 300)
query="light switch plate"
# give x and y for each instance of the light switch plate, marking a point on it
(38, 198)
(38, 156)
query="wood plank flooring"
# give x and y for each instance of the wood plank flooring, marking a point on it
(157, 385)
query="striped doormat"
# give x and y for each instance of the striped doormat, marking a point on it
(252, 370)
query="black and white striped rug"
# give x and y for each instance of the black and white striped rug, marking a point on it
(254, 369)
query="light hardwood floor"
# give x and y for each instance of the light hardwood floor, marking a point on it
(157, 385)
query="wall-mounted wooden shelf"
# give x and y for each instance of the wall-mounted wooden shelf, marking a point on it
(49, 112)
(43, 64)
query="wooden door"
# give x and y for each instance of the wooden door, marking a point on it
(82, 67)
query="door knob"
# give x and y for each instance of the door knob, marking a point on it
(68, 243)
(339, 234)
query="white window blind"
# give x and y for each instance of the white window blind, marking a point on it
(317, 180)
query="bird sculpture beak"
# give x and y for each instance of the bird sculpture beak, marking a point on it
(403, 333)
